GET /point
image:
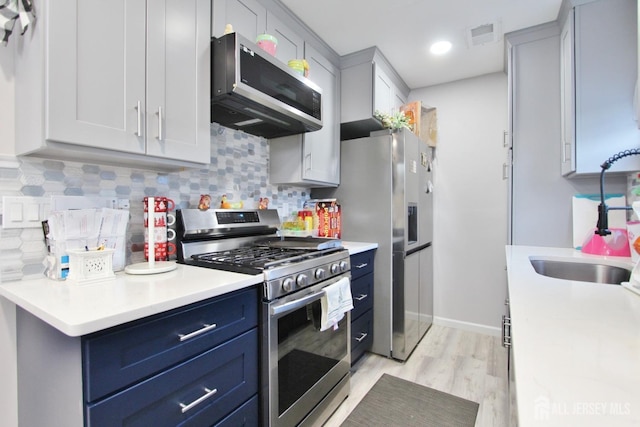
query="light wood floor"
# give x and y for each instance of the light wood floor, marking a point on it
(462, 363)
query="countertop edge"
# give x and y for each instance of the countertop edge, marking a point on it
(81, 309)
(355, 248)
(128, 299)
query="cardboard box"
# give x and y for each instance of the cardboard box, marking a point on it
(423, 121)
(327, 217)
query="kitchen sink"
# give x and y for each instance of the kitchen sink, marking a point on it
(581, 271)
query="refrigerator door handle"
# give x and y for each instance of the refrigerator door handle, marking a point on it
(417, 249)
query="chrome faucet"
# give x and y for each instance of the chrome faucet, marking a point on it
(602, 228)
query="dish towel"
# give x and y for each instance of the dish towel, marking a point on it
(335, 302)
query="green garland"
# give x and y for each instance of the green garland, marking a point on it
(395, 120)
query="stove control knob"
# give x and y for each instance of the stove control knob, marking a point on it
(319, 274)
(335, 268)
(344, 266)
(288, 284)
(302, 280)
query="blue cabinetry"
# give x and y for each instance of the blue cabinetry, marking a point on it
(124, 355)
(362, 314)
(194, 365)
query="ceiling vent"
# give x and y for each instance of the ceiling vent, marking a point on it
(484, 34)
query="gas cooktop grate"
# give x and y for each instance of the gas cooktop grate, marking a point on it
(252, 260)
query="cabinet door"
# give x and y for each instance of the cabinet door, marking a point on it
(398, 100)
(605, 61)
(248, 17)
(567, 97)
(321, 154)
(196, 392)
(96, 73)
(290, 44)
(383, 98)
(178, 80)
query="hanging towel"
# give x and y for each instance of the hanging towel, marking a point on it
(335, 302)
(12, 11)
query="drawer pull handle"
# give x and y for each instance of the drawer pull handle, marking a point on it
(208, 394)
(362, 336)
(363, 265)
(361, 297)
(206, 328)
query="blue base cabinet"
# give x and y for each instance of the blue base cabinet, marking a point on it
(196, 365)
(201, 390)
(362, 293)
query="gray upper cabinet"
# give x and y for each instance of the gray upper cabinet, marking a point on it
(312, 159)
(387, 96)
(368, 84)
(123, 81)
(248, 17)
(604, 64)
(567, 96)
(290, 43)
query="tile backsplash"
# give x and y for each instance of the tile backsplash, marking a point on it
(239, 169)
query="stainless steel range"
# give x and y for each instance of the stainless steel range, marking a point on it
(304, 371)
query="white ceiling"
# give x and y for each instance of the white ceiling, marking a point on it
(404, 29)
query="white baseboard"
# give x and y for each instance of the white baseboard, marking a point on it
(468, 326)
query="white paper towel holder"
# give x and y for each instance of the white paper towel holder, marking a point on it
(152, 266)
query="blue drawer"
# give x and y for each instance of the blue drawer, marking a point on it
(244, 416)
(230, 369)
(361, 335)
(122, 356)
(362, 263)
(362, 294)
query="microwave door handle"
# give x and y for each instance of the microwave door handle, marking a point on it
(296, 304)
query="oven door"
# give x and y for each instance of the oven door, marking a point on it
(303, 365)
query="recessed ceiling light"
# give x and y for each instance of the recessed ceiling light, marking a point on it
(440, 48)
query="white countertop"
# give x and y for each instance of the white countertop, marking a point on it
(576, 345)
(358, 247)
(79, 309)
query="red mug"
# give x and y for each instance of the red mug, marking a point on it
(161, 204)
(161, 219)
(162, 250)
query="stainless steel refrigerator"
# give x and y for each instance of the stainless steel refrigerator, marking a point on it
(386, 196)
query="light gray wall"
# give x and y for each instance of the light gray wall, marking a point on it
(470, 200)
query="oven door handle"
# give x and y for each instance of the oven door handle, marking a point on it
(295, 304)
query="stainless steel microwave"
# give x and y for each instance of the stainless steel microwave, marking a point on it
(253, 91)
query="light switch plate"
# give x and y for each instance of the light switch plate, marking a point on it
(24, 211)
